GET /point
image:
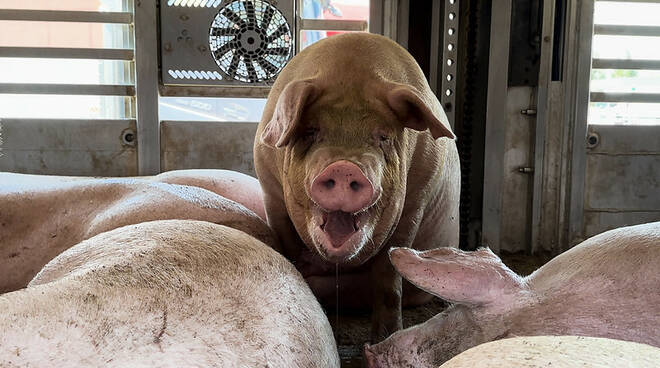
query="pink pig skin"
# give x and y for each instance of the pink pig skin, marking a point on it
(607, 286)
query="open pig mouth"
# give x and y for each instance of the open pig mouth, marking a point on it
(339, 226)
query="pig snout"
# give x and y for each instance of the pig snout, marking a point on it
(342, 186)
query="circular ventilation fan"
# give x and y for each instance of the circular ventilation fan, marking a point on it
(250, 40)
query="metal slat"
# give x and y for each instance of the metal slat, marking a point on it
(624, 97)
(67, 89)
(66, 53)
(616, 30)
(625, 64)
(629, 1)
(66, 16)
(334, 25)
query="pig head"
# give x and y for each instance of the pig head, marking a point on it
(351, 158)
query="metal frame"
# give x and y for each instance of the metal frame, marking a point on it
(390, 19)
(67, 89)
(616, 30)
(435, 70)
(625, 64)
(498, 70)
(542, 109)
(146, 85)
(624, 97)
(579, 122)
(632, 1)
(66, 16)
(449, 101)
(67, 53)
(333, 25)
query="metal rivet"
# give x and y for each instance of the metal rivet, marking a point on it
(128, 137)
(592, 140)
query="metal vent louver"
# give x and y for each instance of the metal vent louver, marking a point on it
(240, 43)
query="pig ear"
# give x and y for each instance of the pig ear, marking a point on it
(288, 112)
(411, 109)
(475, 278)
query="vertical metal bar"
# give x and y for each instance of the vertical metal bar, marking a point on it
(545, 73)
(436, 48)
(390, 11)
(498, 69)
(376, 16)
(579, 123)
(146, 84)
(402, 19)
(297, 11)
(447, 93)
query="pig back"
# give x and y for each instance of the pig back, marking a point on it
(558, 352)
(180, 291)
(617, 258)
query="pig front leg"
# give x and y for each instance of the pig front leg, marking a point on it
(386, 294)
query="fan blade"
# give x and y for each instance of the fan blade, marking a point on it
(251, 16)
(251, 72)
(268, 16)
(223, 32)
(233, 66)
(282, 51)
(222, 50)
(281, 30)
(235, 18)
(267, 66)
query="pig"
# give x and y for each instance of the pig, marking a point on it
(355, 155)
(42, 216)
(168, 293)
(557, 352)
(233, 185)
(607, 286)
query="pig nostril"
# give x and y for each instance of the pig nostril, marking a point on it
(355, 185)
(329, 184)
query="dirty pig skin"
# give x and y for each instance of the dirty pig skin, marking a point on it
(355, 155)
(607, 286)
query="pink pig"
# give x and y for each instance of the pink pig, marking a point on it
(607, 286)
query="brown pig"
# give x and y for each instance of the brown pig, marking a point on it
(355, 155)
(607, 286)
(169, 293)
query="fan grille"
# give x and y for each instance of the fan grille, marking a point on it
(250, 40)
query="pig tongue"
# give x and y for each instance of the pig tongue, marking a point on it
(339, 226)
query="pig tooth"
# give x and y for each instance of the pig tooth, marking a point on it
(356, 223)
